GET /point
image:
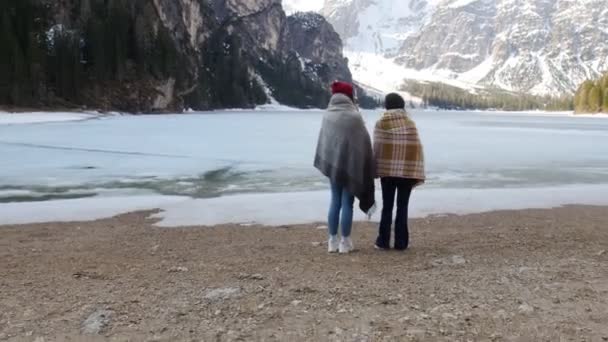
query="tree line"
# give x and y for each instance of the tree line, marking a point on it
(449, 97)
(43, 64)
(113, 54)
(592, 96)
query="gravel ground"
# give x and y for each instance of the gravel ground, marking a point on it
(534, 275)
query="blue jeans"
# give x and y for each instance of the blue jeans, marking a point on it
(341, 201)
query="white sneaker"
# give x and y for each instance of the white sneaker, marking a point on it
(346, 246)
(332, 244)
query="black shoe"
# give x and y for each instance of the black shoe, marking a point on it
(401, 248)
(381, 248)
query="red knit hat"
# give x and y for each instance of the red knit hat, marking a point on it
(343, 88)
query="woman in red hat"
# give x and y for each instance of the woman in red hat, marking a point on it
(345, 156)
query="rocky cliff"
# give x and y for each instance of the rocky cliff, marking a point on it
(166, 55)
(543, 47)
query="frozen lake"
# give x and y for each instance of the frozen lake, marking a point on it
(213, 155)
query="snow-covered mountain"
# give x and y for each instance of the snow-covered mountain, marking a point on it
(536, 46)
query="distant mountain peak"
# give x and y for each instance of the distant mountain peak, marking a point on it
(534, 46)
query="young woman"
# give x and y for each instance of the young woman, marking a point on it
(345, 156)
(399, 163)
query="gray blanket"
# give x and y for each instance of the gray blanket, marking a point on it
(344, 151)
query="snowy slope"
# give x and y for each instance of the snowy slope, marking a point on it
(292, 6)
(535, 46)
(378, 27)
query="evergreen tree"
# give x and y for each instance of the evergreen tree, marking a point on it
(604, 87)
(449, 97)
(65, 69)
(227, 80)
(582, 97)
(8, 55)
(95, 48)
(38, 58)
(594, 99)
(118, 33)
(21, 56)
(144, 42)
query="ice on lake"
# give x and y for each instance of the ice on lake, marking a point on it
(476, 161)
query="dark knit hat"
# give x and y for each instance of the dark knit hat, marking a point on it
(394, 101)
(343, 88)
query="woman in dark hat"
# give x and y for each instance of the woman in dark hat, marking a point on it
(399, 163)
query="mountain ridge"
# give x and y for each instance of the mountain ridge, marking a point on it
(164, 55)
(541, 47)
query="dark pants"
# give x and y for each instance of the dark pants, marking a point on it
(403, 188)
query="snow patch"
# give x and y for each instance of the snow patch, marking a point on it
(460, 3)
(7, 118)
(292, 6)
(308, 207)
(86, 209)
(267, 90)
(275, 107)
(294, 208)
(478, 73)
(384, 74)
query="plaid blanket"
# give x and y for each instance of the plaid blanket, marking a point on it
(398, 151)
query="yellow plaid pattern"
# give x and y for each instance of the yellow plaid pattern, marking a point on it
(398, 151)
